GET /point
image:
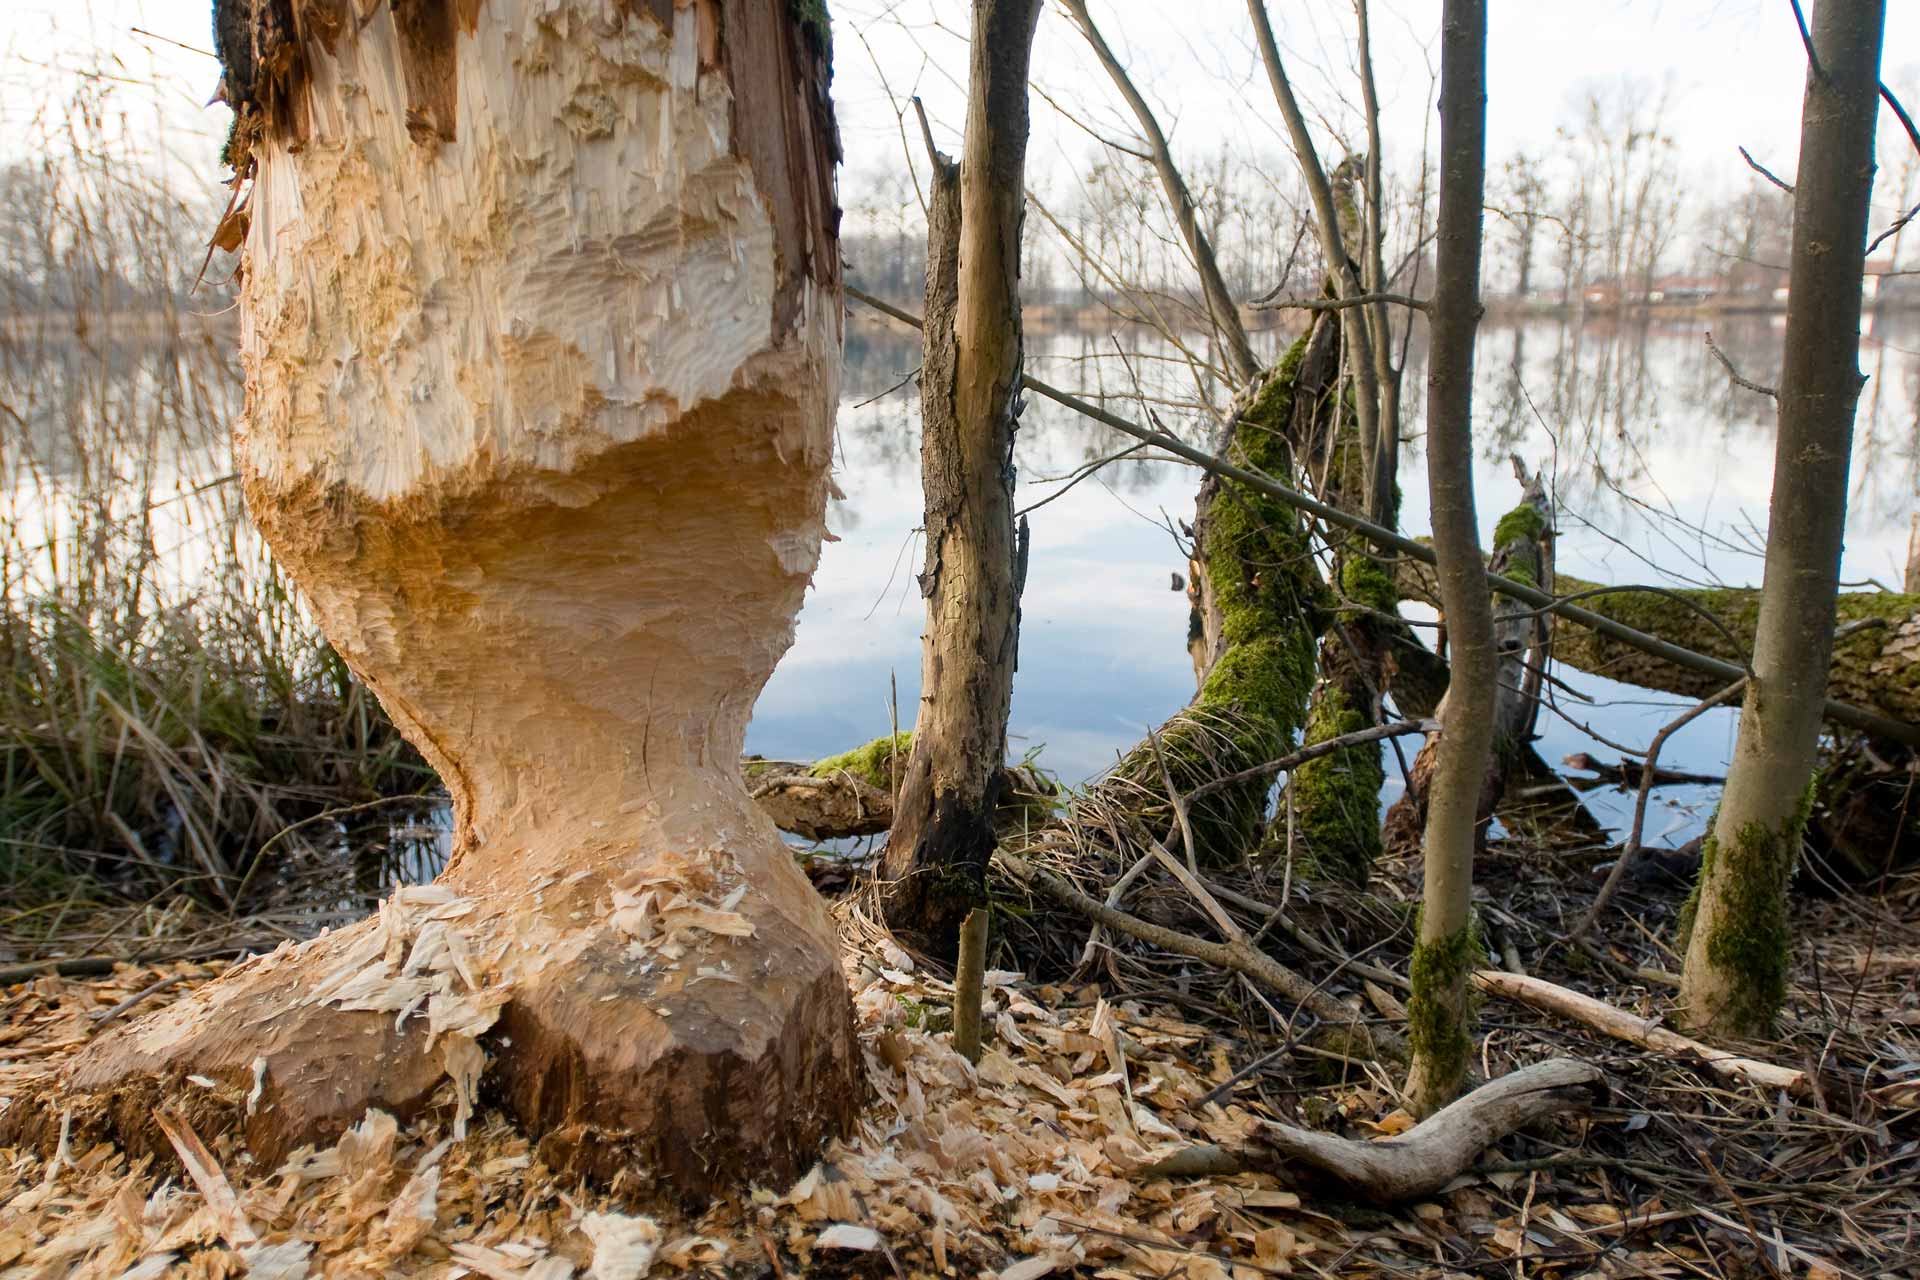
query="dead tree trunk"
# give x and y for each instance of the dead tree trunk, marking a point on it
(1520, 551)
(1734, 979)
(937, 852)
(1334, 801)
(541, 321)
(1438, 1013)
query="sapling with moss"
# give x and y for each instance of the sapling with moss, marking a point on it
(1734, 977)
(1439, 1009)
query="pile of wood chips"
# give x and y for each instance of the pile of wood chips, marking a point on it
(1028, 1165)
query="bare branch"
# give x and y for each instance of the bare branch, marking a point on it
(1734, 373)
(1765, 172)
(1341, 304)
(1631, 849)
(1388, 540)
(1913, 134)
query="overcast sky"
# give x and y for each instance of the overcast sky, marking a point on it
(1733, 69)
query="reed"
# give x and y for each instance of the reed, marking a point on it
(167, 705)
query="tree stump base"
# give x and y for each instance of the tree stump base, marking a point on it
(669, 1031)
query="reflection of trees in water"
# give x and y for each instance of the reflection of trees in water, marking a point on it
(1143, 376)
(1601, 394)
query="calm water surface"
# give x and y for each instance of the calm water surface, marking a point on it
(1661, 467)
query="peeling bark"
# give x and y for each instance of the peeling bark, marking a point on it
(540, 416)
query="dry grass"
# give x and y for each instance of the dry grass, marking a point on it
(166, 705)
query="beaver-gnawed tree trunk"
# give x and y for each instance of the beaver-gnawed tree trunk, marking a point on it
(937, 852)
(541, 319)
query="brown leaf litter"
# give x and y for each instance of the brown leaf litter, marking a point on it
(1025, 1166)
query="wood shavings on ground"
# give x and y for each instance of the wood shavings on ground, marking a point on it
(1028, 1165)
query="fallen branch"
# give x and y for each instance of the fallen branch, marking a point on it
(99, 966)
(1237, 955)
(1421, 1161)
(1632, 774)
(1387, 540)
(1645, 1032)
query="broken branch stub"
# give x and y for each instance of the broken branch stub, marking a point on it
(541, 322)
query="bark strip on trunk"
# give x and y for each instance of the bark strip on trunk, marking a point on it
(935, 866)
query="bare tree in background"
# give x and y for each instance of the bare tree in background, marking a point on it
(1444, 956)
(1735, 974)
(935, 866)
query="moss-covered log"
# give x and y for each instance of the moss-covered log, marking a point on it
(1261, 613)
(851, 794)
(1334, 801)
(1876, 654)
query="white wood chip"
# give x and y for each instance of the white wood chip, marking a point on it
(623, 1245)
(846, 1235)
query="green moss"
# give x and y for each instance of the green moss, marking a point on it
(1522, 524)
(1337, 797)
(817, 26)
(1750, 938)
(1272, 610)
(871, 762)
(1437, 969)
(1365, 584)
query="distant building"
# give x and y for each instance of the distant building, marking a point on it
(1683, 289)
(1603, 293)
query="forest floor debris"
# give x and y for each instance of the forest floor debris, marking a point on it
(1037, 1162)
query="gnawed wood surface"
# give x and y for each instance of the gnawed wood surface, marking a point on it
(541, 376)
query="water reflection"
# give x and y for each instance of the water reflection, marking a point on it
(1662, 468)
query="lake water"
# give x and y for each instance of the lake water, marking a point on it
(1662, 469)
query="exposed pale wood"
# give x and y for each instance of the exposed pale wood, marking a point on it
(541, 321)
(1420, 1161)
(1645, 1032)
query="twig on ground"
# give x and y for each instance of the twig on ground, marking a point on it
(1237, 956)
(1644, 1032)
